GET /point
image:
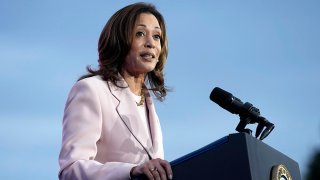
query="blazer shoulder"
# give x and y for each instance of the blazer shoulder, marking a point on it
(91, 85)
(92, 81)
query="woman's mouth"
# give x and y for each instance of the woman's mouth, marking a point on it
(147, 56)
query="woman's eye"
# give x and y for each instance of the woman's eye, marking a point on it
(139, 34)
(157, 37)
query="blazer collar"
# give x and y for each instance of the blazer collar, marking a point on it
(128, 112)
(155, 129)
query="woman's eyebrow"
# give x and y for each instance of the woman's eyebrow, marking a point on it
(143, 25)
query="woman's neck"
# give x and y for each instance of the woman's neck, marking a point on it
(135, 83)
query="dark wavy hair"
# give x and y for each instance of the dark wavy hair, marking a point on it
(115, 42)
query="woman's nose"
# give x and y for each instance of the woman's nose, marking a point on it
(149, 43)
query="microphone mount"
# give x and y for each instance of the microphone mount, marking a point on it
(246, 118)
(247, 112)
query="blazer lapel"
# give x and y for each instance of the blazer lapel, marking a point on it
(154, 124)
(128, 112)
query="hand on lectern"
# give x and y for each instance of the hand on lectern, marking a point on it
(155, 169)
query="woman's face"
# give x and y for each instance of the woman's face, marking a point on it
(146, 46)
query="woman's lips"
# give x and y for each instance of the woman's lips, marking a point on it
(147, 56)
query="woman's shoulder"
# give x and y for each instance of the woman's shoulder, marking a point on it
(98, 83)
(94, 83)
(93, 80)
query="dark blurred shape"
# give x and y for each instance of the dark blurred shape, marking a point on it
(314, 167)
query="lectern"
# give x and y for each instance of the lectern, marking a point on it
(237, 156)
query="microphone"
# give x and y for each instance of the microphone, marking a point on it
(226, 100)
(247, 112)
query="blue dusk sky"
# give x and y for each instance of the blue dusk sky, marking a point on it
(265, 52)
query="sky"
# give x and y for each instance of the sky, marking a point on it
(263, 52)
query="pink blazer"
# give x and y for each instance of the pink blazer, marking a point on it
(102, 136)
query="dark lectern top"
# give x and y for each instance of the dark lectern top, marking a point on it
(237, 156)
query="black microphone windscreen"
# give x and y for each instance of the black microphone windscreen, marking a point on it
(220, 96)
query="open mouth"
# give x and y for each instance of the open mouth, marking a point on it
(147, 55)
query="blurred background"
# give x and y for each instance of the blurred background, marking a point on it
(264, 52)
